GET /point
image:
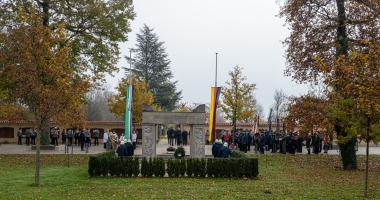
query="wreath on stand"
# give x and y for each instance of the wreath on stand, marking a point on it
(180, 152)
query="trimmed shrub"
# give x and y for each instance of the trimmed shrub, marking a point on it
(128, 163)
(94, 166)
(189, 167)
(150, 169)
(202, 168)
(159, 167)
(170, 167)
(210, 167)
(135, 167)
(144, 167)
(176, 165)
(182, 167)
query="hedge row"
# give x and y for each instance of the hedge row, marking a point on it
(106, 164)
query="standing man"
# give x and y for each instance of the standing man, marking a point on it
(70, 136)
(134, 139)
(34, 135)
(55, 136)
(87, 136)
(207, 134)
(172, 135)
(105, 139)
(184, 137)
(64, 135)
(82, 138)
(121, 151)
(249, 137)
(19, 134)
(308, 143)
(96, 137)
(28, 134)
(227, 137)
(130, 148)
(178, 135)
(168, 135)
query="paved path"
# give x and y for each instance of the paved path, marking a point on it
(160, 149)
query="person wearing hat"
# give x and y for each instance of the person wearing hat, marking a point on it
(224, 151)
(216, 147)
(130, 149)
(121, 151)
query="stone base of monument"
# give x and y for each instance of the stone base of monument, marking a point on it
(47, 147)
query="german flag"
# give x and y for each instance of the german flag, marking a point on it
(215, 92)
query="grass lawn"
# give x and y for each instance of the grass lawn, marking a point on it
(281, 177)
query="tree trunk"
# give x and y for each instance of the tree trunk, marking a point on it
(44, 128)
(366, 160)
(347, 150)
(37, 172)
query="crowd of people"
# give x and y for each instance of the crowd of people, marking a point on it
(265, 140)
(177, 137)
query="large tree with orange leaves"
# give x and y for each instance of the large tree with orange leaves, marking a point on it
(323, 31)
(35, 80)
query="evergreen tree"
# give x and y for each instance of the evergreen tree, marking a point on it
(236, 97)
(151, 64)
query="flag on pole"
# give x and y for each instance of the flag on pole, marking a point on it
(215, 92)
(128, 112)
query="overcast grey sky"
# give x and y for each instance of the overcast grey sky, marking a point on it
(243, 32)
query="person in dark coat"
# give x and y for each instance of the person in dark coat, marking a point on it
(308, 143)
(184, 137)
(272, 142)
(250, 136)
(19, 134)
(299, 143)
(172, 136)
(129, 147)
(82, 140)
(244, 141)
(224, 152)
(168, 135)
(178, 135)
(316, 141)
(293, 143)
(257, 142)
(121, 150)
(216, 147)
(262, 143)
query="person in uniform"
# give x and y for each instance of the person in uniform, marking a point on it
(130, 148)
(122, 151)
(225, 151)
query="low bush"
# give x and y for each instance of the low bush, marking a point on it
(107, 164)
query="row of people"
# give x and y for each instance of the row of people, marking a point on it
(111, 139)
(177, 137)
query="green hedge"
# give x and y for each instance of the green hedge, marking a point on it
(107, 164)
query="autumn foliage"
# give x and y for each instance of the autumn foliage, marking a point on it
(141, 95)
